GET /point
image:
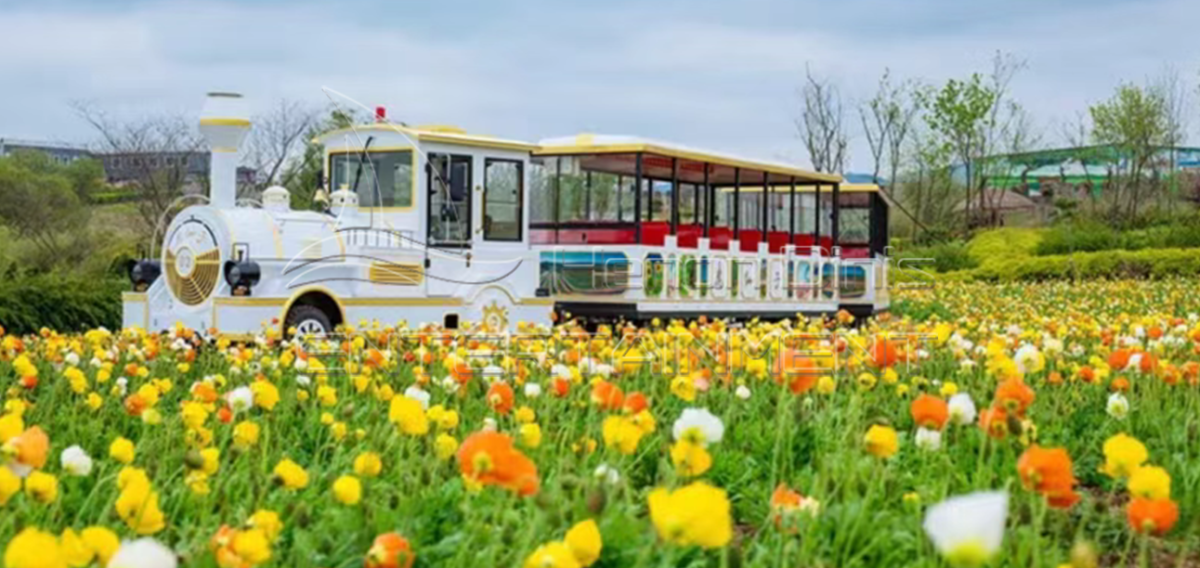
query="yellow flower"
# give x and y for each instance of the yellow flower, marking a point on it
(690, 458)
(531, 435)
(826, 385)
(881, 441)
(525, 415)
(252, 546)
(121, 450)
(684, 387)
(327, 395)
(621, 433)
(75, 551)
(552, 555)
(445, 419)
(1122, 455)
(697, 514)
(866, 381)
(268, 521)
(338, 430)
(94, 401)
(101, 541)
(291, 475)
(211, 460)
(42, 487)
(266, 395)
(948, 389)
(137, 505)
(584, 541)
(1150, 482)
(368, 464)
(10, 484)
(407, 414)
(194, 414)
(245, 434)
(34, 548)
(444, 446)
(347, 490)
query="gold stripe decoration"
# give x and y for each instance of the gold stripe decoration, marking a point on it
(192, 282)
(396, 273)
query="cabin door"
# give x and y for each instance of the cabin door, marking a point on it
(448, 222)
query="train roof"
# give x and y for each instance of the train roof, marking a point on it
(429, 133)
(614, 144)
(842, 187)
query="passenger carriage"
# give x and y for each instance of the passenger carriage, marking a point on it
(432, 224)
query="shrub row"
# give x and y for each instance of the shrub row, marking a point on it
(60, 302)
(1148, 263)
(1094, 237)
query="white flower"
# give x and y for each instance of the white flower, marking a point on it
(1135, 362)
(71, 359)
(968, 529)
(607, 473)
(300, 364)
(1118, 406)
(561, 370)
(929, 439)
(75, 461)
(709, 427)
(122, 385)
(604, 370)
(811, 506)
(493, 373)
(143, 553)
(742, 392)
(241, 398)
(1029, 359)
(303, 380)
(489, 424)
(962, 408)
(966, 364)
(533, 390)
(414, 392)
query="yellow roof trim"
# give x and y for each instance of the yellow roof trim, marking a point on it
(436, 133)
(224, 122)
(843, 188)
(576, 149)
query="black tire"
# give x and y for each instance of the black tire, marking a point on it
(311, 314)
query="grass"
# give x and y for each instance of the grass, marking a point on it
(871, 508)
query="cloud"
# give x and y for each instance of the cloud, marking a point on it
(713, 74)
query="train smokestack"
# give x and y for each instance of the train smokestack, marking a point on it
(224, 123)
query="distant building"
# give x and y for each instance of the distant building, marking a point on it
(61, 153)
(1076, 172)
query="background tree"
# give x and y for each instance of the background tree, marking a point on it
(277, 139)
(156, 155)
(821, 124)
(46, 203)
(302, 176)
(1135, 123)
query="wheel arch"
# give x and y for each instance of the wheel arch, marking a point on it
(318, 296)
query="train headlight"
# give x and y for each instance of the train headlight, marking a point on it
(242, 276)
(143, 273)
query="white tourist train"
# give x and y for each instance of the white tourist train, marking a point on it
(430, 224)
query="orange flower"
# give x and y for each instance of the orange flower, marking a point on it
(1152, 516)
(1048, 471)
(500, 397)
(1087, 374)
(1119, 359)
(607, 395)
(560, 387)
(800, 372)
(995, 422)
(1014, 396)
(390, 550)
(490, 458)
(930, 412)
(32, 446)
(1119, 384)
(884, 352)
(1054, 378)
(135, 405)
(636, 402)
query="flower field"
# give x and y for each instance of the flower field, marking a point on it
(1031, 425)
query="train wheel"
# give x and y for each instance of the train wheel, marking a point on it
(308, 320)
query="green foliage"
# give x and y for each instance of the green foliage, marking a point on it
(942, 257)
(999, 244)
(40, 199)
(1148, 263)
(302, 177)
(1091, 236)
(59, 301)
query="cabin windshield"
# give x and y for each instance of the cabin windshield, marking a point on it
(384, 179)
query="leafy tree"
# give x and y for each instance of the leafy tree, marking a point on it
(303, 176)
(1136, 123)
(42, 201)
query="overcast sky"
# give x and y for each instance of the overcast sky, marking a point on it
(716, 74)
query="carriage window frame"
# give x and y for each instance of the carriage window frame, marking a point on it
(520, 199)
(413, 174)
